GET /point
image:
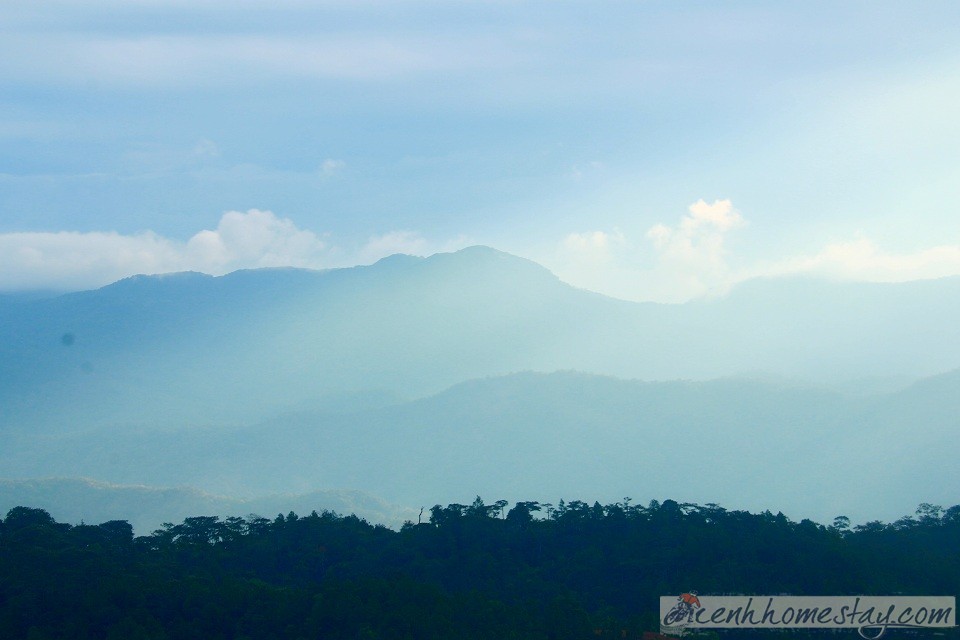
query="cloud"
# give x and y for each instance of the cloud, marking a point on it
(862, 259)
(690, 259)
(693, 251)
(254, 239)
(668, 263)
(671, 263)
(593, 246)
(329, 167)
(70, 260)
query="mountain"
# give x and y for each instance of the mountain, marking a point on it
(808, 452)
(186, 350)
(436, 379)
(146, 508)
(189, 348)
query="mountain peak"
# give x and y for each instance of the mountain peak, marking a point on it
(398, 260)
(489, 262)
(172, 276)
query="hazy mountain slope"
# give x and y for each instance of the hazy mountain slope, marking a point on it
(199, 349)
(829, 330)
(189, 349)
(146, 508)
(810, 453)
(916, 439)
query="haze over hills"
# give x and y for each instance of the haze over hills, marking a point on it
(416, 379)
(147, 508)
(194, 349)
(810, 453)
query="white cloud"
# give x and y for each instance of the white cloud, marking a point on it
(253, 239)
(599, 261)
(72, 260)
(862, 259)
(685, 261)
(693, 252)
(593, 246)
(720, 215)
(667, 264)
(691, 259)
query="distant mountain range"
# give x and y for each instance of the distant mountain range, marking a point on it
(431, 379)
(188, 349)
(147, 508)
(811, 453)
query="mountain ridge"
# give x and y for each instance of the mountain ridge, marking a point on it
(453, 375)
(202, 349)
(550, 435)
(148, 507)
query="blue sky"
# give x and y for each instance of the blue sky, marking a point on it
(648, 150)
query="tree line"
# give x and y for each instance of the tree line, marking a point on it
(533, 571)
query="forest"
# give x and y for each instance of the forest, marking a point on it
(533, 571)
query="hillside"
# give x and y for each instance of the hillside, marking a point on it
(480, 372)
(189, 349)
(812, 453)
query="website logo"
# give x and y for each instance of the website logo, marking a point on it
(871, 616)
(683, 612)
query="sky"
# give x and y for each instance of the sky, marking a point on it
(647, 150)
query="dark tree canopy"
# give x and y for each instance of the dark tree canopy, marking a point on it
(578, 570)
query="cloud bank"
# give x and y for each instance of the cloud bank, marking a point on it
(690, 259)
(69, 260)
(668, 263)
(862, 259)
